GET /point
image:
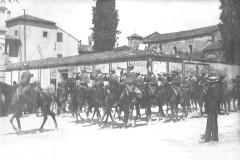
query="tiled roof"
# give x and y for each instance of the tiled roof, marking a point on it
(80, 59)
(214, 46)
(30, 18)
(134, 36)
(151, 36)
(180, 35)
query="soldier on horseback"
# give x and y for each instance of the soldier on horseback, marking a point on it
(129, 83)
(152, 83)
(175, 81)
(83, 78)
(113, 81)
(98, 84)
(140, 82)
(24, 85)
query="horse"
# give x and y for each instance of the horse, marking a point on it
(33, 98)
(8, 92)
(125, 103)
(199, 96)
(111, 97)
(225, 100)
(79, 96)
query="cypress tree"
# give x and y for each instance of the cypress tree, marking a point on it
(105, 21)
(230, 29)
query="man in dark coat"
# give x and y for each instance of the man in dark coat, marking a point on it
(152, 83)
(98, 83)
(213, 98)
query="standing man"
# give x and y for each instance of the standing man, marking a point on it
(213, 98)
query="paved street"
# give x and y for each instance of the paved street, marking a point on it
(173, 140)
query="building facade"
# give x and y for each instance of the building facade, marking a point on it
(40, 38)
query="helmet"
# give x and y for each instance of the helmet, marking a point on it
(131, 67)
(83, 70)
(138, 73)
(98, 70)
(112, 70)
(150, 72)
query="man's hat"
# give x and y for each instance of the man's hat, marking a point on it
(130, 66)
(83, 69)
(98, 70)
(112, 70)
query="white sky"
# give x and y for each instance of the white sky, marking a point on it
(141, 16)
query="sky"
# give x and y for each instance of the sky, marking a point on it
(135, 16)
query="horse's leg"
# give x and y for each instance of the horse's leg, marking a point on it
(167, 104)
(126, 116)
(15, 114)
(44, 118)
(160, 111)
(176, 110)
(234, 104)
(54, 118)
(110, 114)
(18, 122)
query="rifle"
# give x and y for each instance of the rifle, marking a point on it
(104, 73)
(143, 75)
(121, 68)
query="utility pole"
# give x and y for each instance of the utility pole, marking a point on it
(25, 54)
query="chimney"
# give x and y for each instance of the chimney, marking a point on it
(9, 15)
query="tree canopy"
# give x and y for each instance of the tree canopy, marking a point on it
(105, 21)
(230, 29)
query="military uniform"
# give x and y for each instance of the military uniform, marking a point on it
(23, 88)
(213, 98)
(24, 85)
(113, 82)
(176, 83)
(98, 84)
(83, 79)
(152, 83)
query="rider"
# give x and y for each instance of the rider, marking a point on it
(130, 81)
(177, 81)
(113, 81)
(152, 83)
(24, 84)
(98, 84)
(140, 81)
(83, 78)
(131, 77)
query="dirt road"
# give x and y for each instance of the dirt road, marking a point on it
(173, 140)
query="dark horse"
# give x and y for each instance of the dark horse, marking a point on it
(80, 96)
(33, 98)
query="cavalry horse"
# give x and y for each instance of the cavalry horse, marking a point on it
(171, 97)
(33, 98)
(79, 96)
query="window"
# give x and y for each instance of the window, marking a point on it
(190, 48)
(59, 37)
(45, 34)
(175, 50)
(16, 32)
